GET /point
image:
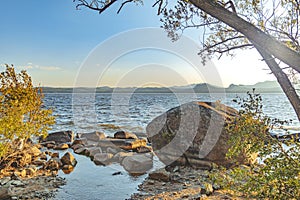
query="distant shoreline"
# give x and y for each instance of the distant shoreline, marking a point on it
(262, 87)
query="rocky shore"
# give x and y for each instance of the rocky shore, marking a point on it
(181, 182)
(34, 174)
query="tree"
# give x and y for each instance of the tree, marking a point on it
(21, 112)
(271, 26)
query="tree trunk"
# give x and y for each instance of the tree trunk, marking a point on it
(282, 79)
(254, 34)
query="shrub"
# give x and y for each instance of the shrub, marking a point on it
(276, 174)
(21, 111)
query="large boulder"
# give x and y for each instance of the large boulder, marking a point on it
(193, 134)
(60, 137)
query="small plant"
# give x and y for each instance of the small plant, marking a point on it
(276, 174)
(21, 114)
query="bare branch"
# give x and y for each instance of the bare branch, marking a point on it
(125, 2)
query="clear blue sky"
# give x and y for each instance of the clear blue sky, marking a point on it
(50, 38)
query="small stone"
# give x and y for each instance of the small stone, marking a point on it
(17, 183)
(144, 149)
(4, 180)
(138, 164)
(67, 169)
(102, 158)
(81, 151)
(62, 146)
(160, 175)
(93, 136)
(125, 135)
(68, 159)
(77, 146)
(55, 155)
(117, 173)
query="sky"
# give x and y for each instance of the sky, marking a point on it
(60, 46)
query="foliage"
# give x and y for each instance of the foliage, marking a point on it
(21, 111)
(277, 172)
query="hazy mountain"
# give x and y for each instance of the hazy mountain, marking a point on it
(261, 87)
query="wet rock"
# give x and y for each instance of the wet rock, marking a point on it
(68, 159)
(60, 137)
(195, 130)
(138, 163)
(81, 141)
(53, 164)
(160, 175)
(125, 135)
(62, 146)
(55, 155)
(77, 146)
(143, 149)
(93, 151)
(82, 151)
(118, 157)
(102, 158)
(93, 136)
(67, 169)
(132, 145)
(113, 150)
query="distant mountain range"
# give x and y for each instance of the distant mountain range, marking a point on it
(261, 87)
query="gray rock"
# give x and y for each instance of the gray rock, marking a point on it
(102, 158)
(60, 137)
(93, 151)
(118, 157)
(68, 159)
(4, 180)
(93, 136)
(125, 135)
(138, 163)
(62, 146)
(193, 131)
(160, 175)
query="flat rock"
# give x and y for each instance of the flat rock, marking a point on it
(93, 136)
(125, 135)
(138, 163)
(118, 157)
(102, 158)
(160, 175)
(60, 137)
(62, 146)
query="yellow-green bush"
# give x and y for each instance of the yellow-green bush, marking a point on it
(21, 112)
(277, 174)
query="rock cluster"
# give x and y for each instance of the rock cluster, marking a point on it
(42, 187)
(125, 148)
(181, 182)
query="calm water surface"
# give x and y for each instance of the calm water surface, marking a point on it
(109, 112)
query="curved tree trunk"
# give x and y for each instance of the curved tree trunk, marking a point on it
(254, 34)
(282, 79)
(266, 45)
